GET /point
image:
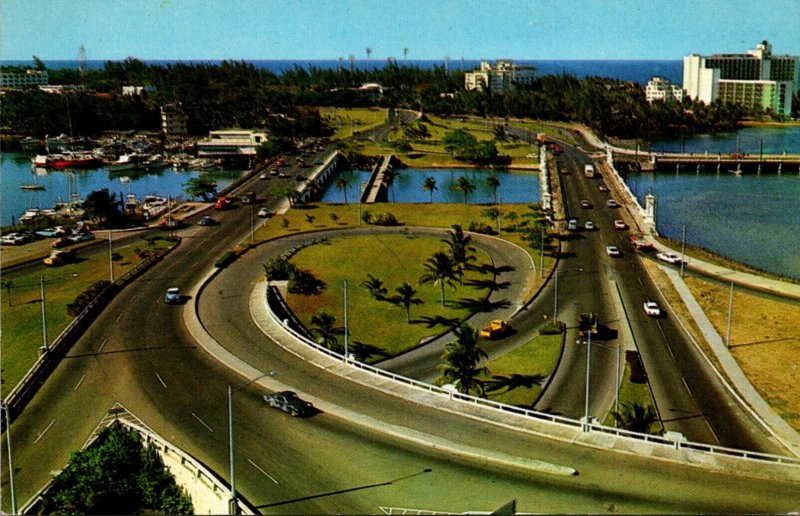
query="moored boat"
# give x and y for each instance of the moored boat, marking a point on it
(72, 160)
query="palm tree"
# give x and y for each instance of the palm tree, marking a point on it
(375, 287)
(493, 213)
(7, 284)
(405, 55)
(636, 417)
(494, 183)
(406, 297)
(464, 185)
(460, 250)
(389, 176)
(322, 327)
(342, 183)
(430, 186)
(369, 53)
(460, 361)
(440, 269)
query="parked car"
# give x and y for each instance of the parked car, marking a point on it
(672, 258)
(603, 188)
(82, 237)
(57, 231)
(60, 257)
(613, 251)
(205, 220)
(263, 212)
(620, 224)
(589, 225)
(273, 172)
(585, 203)
(263, 177)
(283, 175)
(173, 296)
(651, 308)
(62, 242)
(289, 402)
(318, 162)
(300, 177)
(13, 239)
(611, 203)
(572, 225)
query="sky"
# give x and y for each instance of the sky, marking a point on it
(429, 29)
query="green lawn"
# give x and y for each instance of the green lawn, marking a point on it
(538, 356)
(394, 259)
(22, 319)
(345, 121)
(630, 393)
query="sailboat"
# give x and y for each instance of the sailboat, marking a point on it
(32, 186)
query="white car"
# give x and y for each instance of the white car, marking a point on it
(263, 212)
(651, 308)
(172, 296)
(611, 203)
(620, 224)
(672, 258)
(572, 225)
(613, 251)
(589, 225)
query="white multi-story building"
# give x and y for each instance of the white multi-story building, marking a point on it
(756, 79)
(173, 121)
(661, 89)
(29, 79)
(498, 78)
(231, 143)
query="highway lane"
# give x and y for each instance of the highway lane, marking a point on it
(138, 354)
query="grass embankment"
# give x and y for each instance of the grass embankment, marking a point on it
(631, 393)
(764, 341)
(537, 357)
(21, 308)
(346, 121)
(394, 259)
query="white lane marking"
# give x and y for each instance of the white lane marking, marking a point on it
(687, 387)
(41, 434)
(161, 380)
(79, 383)
(119, 316)
(711, 430)
(261, 470)
(202, 422)
(102, 344)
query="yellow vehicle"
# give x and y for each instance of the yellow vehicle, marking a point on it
(60, 257)
(494, 329)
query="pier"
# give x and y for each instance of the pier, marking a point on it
(377, 187)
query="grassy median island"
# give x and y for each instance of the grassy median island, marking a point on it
(394, 259)
(22, 311)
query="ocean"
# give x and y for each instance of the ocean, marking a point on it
(639, 71)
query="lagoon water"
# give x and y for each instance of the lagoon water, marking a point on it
(751, 219)
(751, 140)
(515, 187)
(15, 169)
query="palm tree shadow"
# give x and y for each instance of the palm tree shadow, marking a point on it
(487, 284)
(437, 320)
(481, 305)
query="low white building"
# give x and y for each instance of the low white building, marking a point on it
(498, 78)
(137, 90)
(231, 144)
(661, 89)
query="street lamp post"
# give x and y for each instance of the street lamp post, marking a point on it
(588, 363)
(346, 328)
(10, 464)
(683, 248)
(541, 255)
(555, 299)
(252, 227)
(730, 314)
(45, 346)
(110, 258)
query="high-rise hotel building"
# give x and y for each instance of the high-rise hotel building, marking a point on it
(756, 79)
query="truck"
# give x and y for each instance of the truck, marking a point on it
(249, 197)
(588, 171)
(495, 329)
(587, 325)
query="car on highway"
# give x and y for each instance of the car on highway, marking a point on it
(620, 224)
(495, 329)
(572, 225)
(263, 177)
(283, 175)
(611, 203)
(61, 242)
(613, 251)
(205, 220)
(585, 203)
(289, 402)
(173, 296)
(273, 172)
(603, 188)
(589, 225)
(263, 212)
(223, 203)
(57, 231)
(672, 258)
(60, 257)
(83, 236)
(651, 308)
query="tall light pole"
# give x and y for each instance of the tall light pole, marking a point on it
(45, 346)
(683, 248)
(588, 363)
(110, 258)
(616, 390)
(10, 464)
(555, 300)
(346, 328)
(730, 314)
(252, 227)
(541, 255)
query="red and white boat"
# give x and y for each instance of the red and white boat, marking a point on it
(72, 160)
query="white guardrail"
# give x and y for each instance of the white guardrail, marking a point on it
(540, 416)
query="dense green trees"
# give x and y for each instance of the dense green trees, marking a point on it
(460, 361)
(116, 475)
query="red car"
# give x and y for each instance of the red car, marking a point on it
(61, 242)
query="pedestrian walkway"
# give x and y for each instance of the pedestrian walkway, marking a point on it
(779, 428)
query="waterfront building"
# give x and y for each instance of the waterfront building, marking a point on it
(173, 121)
(137, 90)
(235, 143)
(498, 78)
(757, 79)
(29, 79)
(661, 89)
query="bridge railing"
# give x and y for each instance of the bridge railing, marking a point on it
(533, 414)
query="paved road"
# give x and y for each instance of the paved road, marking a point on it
(138, 353)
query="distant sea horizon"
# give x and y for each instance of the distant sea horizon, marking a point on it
(637, 70)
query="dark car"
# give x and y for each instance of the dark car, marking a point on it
(205, 220)
(289, 402)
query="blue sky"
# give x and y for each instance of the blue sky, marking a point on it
(430, 29)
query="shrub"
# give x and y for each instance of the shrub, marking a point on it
(116, 257)
(86, 297)
(552, 328)
(382, 219)
(226, 259)
(480, 227)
